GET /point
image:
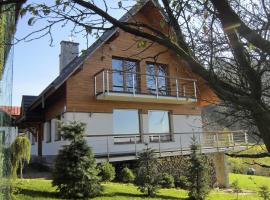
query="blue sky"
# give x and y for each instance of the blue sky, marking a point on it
(36, 63)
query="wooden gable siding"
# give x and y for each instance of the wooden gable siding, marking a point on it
(80, 87)
(55, 104)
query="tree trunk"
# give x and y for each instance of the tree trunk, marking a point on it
(21, 169)
(262, 120)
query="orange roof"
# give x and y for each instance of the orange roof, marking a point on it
(11, 110)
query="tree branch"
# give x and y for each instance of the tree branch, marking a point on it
(259, 155)
(230, 18)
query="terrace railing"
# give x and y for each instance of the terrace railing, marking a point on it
(109, 81)
(178, 143)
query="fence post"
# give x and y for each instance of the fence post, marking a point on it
(217, 141)
(195, 89)
(133, 84)
(177, 89)
(181, 147)
(108, 151)
(108, 82)
(135, 141)
(246, 138)
(103, 82)
(95, 83)
(156, 80)
(159, 146)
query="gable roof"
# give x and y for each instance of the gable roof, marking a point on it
(78, 61)
(25, 113)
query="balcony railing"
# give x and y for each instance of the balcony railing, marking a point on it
(132, 84)
(113, 145)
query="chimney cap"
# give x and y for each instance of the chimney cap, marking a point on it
(64, 41)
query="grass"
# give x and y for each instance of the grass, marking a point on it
(40, 189)
(240, 165)
(250, 182)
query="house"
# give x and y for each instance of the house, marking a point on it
(8, 132)
(126, 98)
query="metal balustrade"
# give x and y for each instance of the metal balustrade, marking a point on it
(113, 145)
(112, 82)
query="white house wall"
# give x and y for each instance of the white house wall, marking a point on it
(102, 124)
(10, 134)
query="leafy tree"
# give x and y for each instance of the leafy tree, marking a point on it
(147, 178)
(127, 176)
(107, 171)
(20, 153)
(198, 176)
(75, 172)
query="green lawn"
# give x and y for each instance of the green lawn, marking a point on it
(250, 182)
(40, 189)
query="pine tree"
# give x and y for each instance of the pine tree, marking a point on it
(147, 178)
(75, 173)
(198, 176)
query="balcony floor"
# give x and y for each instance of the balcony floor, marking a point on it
(118, 96)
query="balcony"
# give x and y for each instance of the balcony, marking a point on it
(129, 86)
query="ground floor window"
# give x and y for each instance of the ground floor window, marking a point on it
(57, 128)
(159, 125)
(126, 125)
(48, 131)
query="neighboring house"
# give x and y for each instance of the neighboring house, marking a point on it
(8, 131)
(125, 98)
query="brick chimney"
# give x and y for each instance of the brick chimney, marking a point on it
(69, 51)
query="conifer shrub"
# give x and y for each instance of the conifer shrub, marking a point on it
(198, 177)
(167, 181)
(75, 172)
(107, 171)
(147, 178)
(127, 175)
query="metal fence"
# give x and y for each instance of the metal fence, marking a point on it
(111, 145)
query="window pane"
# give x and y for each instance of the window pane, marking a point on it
(125, 121)
(150, 78)
(162, 79)
(130, 71)
(123, 71)
(158, 121)
(117, 66)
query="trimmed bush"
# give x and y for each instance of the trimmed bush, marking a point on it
(107, 171)
(167, 181)
(127, 176)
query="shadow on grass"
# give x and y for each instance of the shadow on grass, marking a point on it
(122, 194)
(49, 195)
(37, 193)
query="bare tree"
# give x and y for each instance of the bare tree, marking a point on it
(226, 43)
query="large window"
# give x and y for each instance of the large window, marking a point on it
(126, 123)
(57, 135)
(124, 76)
(159, 126)
(158, 121)
(157, 78)
(48, 131)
